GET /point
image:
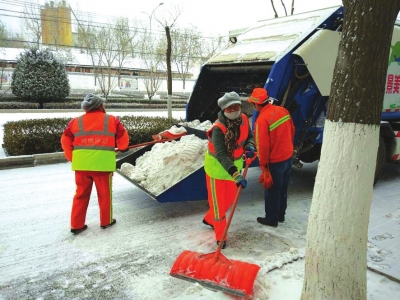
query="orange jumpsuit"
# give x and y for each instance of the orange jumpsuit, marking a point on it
(89, 143)
(220, 185)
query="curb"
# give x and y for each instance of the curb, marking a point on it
(34, 160)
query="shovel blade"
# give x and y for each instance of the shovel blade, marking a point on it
(216, 272)
(167, 135)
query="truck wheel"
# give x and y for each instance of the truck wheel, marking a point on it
(380, 159)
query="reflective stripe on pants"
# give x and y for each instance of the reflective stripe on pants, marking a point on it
(221, 194)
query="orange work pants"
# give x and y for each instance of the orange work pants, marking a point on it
(84, 182)
(221, 194)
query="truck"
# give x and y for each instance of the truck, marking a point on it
(293, 58)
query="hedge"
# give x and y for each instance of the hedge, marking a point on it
(37, 136)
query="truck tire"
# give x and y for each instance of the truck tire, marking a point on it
(380, 159)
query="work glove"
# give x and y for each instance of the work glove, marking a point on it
(266, 178)
(249, 151)
(239, 180)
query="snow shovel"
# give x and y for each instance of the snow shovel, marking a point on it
(162, 137)
(213, 270)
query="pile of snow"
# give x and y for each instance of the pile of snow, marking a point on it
(167, 163)
(197, 125)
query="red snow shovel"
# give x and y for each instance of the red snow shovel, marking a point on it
(214, 270)
(161, 137)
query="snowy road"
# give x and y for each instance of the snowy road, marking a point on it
(41, 259)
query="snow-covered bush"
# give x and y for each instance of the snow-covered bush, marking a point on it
(40, 77)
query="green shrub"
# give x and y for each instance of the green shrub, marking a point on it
(39, 77)
(18, 105)
(33, 136)
(141, 128)
(37, 136)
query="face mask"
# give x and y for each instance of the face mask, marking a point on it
(232, 115)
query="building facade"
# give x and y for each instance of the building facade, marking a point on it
(56, 24)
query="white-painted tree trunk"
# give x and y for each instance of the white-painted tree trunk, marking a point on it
(337, 230)
(337, 234)
(169, 106)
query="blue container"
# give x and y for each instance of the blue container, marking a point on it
(192, 187)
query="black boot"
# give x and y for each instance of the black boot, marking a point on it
(206, 223)
(264, 222)
(76, 231)
(109, 225)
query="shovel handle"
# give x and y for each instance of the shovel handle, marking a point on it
(235, 201)
(145, 144)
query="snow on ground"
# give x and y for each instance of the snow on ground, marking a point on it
(41, 259)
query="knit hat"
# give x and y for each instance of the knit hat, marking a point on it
(259, 96)
(92, 102)
(228, 99)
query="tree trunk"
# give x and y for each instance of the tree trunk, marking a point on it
(337, 233)
(169, 72)
(273, 7)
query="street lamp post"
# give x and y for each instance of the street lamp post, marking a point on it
(150, 33)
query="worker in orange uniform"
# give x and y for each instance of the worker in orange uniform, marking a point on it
(228, 139)
(89, 142)
(274, 134)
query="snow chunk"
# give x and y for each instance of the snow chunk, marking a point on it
(167, 163)
(197, 125)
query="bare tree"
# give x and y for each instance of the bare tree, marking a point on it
(273, 7)
(149, 53)
(152, 54)
(186, 50)
(125, 37)
(284, 8)
(292, 8)
(104, 56)
(108, 47)
(168, 22)
(99, 45)
(337, 233)
(210, 46)
(31, 21)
